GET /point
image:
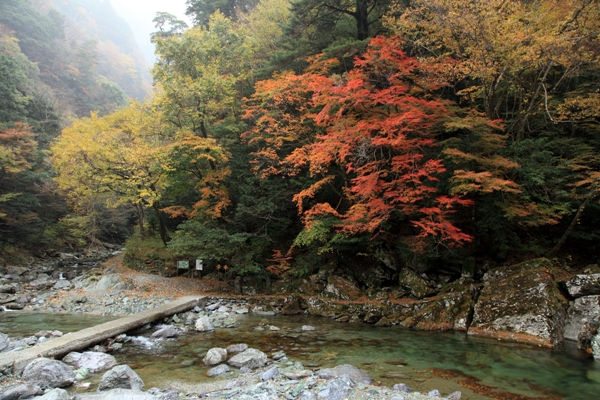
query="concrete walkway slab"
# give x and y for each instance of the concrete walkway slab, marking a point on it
(84, 338)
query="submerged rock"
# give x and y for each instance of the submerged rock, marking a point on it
(521, 304)
(357, 375)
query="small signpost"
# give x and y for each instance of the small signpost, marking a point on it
(183, 265)
(199, 267)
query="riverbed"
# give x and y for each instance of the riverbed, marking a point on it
(424, 360)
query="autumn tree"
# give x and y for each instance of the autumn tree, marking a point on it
(534, 66)
(377, 129)
(122, 155)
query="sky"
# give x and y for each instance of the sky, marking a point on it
(140, 13)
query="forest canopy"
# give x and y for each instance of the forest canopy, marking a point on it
(283, 135)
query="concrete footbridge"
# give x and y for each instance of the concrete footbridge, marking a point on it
(84, 338)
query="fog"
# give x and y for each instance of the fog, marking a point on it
(140, 13)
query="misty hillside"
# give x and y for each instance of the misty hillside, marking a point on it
(59, 60)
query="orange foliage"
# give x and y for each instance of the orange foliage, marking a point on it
(374, 126)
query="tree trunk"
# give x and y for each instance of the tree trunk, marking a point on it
(140, 212)
(162, 229)
(362, 19)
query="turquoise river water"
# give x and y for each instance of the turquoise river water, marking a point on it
(480, 368)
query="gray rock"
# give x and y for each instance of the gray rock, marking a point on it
(581, 312)
(417, 286)
(46, 373)
(583, 285)
(55, 394)
(166, 332)
(337, 389)
(596, 347)
(110, 281)
(356, 374)
(63, 285)
(4, 341)
(434, 393)
(339, 288)
(402, 387)
(308, 328)
(117, 394)
(91, 360)
(236, 383)
(250, 358)
(215, 356)
(120, 377)
(236, 348)
(8, 289)
(203, 324)
(218, 370)
(454, 395)
(521, 303)
(306, 395)
(294, 375)
(278, 355)
(19, 392)
(269, 374)
(397, 397)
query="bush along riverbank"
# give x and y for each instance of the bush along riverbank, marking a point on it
(236, 372)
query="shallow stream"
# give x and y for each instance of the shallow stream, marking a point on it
(480, 368)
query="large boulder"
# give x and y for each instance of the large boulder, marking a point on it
(120, 377)
(583, 285)
(116, 394)
(357, 375)
(46, 373)
(521, 304)
(251, 358)
(215, 356)
(19, 392)
(92, 360)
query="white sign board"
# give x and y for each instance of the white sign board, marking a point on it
(198, 265)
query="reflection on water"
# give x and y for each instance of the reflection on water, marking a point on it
(424, 360)
(390, 355)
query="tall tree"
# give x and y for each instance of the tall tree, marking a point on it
(376, 128)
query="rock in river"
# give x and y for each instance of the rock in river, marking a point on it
(251, 358)
(521, 303)
(92, 360)
(120, 377)
(46, 372)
